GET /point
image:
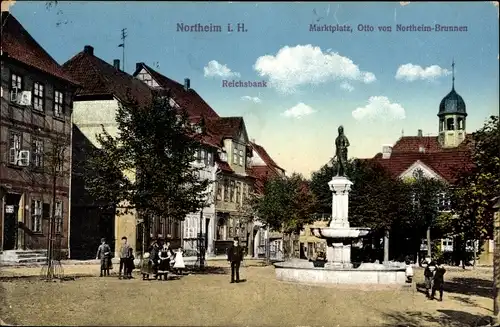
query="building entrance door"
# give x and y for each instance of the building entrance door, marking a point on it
(10, 221)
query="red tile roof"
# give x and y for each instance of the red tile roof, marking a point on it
(410, 144)
(20, 45)
(225, 127)
(447, 162)
(97, 77)
(190, 99)
(264, 155)
(224, 166)
(263, 173)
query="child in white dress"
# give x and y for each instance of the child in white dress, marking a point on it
(179, 261)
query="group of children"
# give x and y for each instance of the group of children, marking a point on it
(434, 277)
(159, 261)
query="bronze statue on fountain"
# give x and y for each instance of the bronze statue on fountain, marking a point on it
(340, 158)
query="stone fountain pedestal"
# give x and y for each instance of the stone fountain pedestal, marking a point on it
(339, 234)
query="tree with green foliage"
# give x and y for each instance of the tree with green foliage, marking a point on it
(375, 200)
(148, 166)
(286, 204)
(425, 196)
(477, 184)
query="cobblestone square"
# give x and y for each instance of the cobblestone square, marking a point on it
(210, 300)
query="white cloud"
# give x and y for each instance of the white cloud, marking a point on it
(404, 3)
(253, 99)
(292, 67)
(379, 107)
(411, 72)
(299, 111)
(216, 69)
(346, 86)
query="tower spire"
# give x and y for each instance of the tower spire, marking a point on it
(453, 74)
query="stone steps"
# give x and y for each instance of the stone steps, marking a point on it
(23, 256)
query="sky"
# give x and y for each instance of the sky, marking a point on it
(378, 84)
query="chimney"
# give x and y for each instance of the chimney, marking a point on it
(88, 49)
(419, 133)
(138, 65)
(386, 151)
(253, 141)
(116, 64)
(187, 84)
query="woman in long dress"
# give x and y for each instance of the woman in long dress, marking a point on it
(179, 261)
(165, 257)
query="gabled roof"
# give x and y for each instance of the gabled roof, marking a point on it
(262, 173)
(447, 163)
(188, 99)
(225, 127)
(98, 78)
(264, 155)
(20, 45)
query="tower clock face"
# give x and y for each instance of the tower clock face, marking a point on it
(451, 105)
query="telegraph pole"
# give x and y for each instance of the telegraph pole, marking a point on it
(122, 45)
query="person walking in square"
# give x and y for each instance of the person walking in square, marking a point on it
(429, 276)
(124, 255)
(104, 254)
(438, 282)
(235, 257)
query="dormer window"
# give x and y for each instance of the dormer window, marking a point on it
(235, 156)
(223, 156)
(241, 158)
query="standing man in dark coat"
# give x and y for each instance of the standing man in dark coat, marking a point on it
(429, 276)
(235, 256)
(124, 258)
(104, 254)
(438, 283)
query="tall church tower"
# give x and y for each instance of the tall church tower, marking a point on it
(452, 116)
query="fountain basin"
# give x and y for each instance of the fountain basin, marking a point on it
(303, 271)
(339, 233)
